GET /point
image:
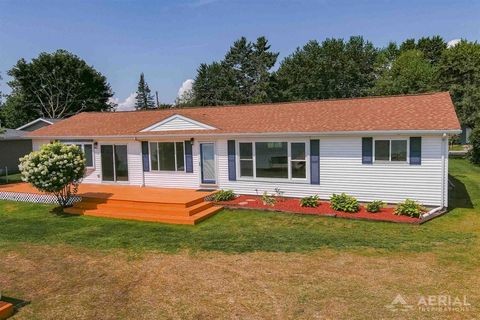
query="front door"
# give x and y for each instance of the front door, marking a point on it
(207, 163)
(114, 162)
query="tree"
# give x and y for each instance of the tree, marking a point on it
(432, 48)
(14, 113)
(214, 85)
(332, 69)
(144, 99)
(243, 76)
(56, 168)
(459, 73)
(58, 85)
(186, 99)
(408, 44)
(474, 152)
(250, 64)
(409, 73)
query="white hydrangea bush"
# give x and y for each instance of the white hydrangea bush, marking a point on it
(56, 168)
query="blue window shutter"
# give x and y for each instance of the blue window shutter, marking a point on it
(416, 150)
(232, 170)
(367, 150)
(145, 160)
(188, 156)
(315, 161)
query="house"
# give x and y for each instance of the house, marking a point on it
(37, 124)
(374, 148)
(14, 144)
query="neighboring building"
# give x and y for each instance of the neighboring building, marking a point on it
(380, 148)
(465, 135)
(14, 144)
(37, 124)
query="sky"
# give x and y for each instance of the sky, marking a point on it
(167, 40)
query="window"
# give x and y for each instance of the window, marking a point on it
(298, 163)
(167, 156)
(273, 160)
(180, 156)
(246, 159)
(87, 149)
(391, 150)
(399, 150)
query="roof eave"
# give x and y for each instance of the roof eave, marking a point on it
(269, 134)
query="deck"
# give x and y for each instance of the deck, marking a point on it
(177, 206)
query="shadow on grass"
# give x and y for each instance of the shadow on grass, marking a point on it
(459, 196)
(58, 211)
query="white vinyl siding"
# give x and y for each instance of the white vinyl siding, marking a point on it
(341, 170)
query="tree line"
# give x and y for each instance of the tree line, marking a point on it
(338, 68)
(61, 84)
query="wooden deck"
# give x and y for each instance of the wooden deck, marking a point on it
(178, 206)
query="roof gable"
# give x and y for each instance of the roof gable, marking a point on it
(37, 124)
(177, 123)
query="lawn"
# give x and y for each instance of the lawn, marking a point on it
(16, 177)
(241, 263)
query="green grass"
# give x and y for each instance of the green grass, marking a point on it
(16, 177)
(454, 235)
(456, 147)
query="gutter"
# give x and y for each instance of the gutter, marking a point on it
(256, 134)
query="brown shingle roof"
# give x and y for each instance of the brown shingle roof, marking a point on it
(433, 111)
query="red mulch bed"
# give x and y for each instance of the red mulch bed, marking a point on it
(292, 205)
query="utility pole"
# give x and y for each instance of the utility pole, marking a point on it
(158, 103)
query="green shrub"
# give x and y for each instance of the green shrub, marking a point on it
(268, 200)
(344, 202)
(375, 206)
(224, 195)
(474, 152)
(311, 202)
(410, 208)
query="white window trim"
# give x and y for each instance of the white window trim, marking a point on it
(389, 161)
(176, 171)
(289, 159)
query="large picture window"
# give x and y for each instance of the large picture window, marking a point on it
(391, 150)
(273, 160)
(167, 156)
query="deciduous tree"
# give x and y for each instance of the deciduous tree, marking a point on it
(58, 85)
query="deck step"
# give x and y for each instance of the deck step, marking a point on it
(150, 203)
(141, 208)
(166, 218)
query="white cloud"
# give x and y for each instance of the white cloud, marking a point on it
(186, 86)
(126, 105)
(453, 43)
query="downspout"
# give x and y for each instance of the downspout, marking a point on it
(444, 139)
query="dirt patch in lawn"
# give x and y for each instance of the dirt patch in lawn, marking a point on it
(63, 282)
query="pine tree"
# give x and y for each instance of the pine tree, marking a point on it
(144, 98)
